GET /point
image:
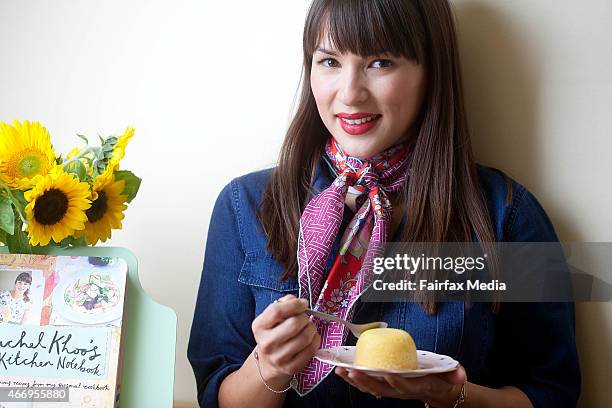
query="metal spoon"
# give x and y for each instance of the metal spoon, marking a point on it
(356, 329)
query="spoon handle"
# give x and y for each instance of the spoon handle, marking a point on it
(328, 317)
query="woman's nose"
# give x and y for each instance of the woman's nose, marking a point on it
(353, 91)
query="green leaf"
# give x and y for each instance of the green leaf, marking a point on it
(108, 143)
(65, 243)
(7, 216)
(72, 241)
(79, 242)
(78, 168)
(107, 148)
(2, 237)
(132, 183)
(84, 138)
(103, 154)
(18, 195)
(18, 242)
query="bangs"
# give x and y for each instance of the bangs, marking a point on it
(366, 28)
(24, 277)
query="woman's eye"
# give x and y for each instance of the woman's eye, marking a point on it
(382, 63)
(329, 62)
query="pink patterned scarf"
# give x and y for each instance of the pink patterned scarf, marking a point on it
(363, 240)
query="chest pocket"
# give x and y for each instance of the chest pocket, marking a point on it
(261, 273)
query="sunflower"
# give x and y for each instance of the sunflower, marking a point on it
(118, 152)
(25, 152)
(106, 210)
(56, 207)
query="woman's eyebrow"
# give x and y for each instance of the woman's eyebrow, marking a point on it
(324, 51)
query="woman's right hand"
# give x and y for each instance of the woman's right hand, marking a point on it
(286, 338)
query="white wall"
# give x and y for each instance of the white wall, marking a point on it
(206, 81)
(538, 78)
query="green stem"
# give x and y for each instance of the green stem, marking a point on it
(78, 156)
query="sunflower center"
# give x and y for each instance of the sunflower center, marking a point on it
(27, 164)
(51, 207)
(98, 208)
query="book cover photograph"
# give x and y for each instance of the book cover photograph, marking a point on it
(60, 328)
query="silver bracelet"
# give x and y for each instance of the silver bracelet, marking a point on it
(292, 383)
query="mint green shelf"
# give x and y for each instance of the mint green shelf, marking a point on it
(149, 337)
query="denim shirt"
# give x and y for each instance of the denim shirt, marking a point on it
(527, 345)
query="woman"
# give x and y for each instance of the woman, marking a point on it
(378, 151)
(15, 303)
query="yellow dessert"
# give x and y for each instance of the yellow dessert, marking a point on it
(388, 349)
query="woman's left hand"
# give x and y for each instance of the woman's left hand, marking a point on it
(439, 390)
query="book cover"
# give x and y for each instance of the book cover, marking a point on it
(60, 326)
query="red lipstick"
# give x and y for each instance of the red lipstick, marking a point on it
(358, 123)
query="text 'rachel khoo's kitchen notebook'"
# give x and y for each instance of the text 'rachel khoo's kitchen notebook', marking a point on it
(60, 330)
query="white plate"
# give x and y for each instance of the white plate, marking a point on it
(63, 309)
(429, 363)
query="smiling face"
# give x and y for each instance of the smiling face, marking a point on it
(367, 103)
(21, 286)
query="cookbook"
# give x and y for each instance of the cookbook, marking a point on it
(60, 330)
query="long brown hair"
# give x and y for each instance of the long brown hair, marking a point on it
(442, 198)
(27, 278)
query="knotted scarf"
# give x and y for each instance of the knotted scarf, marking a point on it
(363, 240)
